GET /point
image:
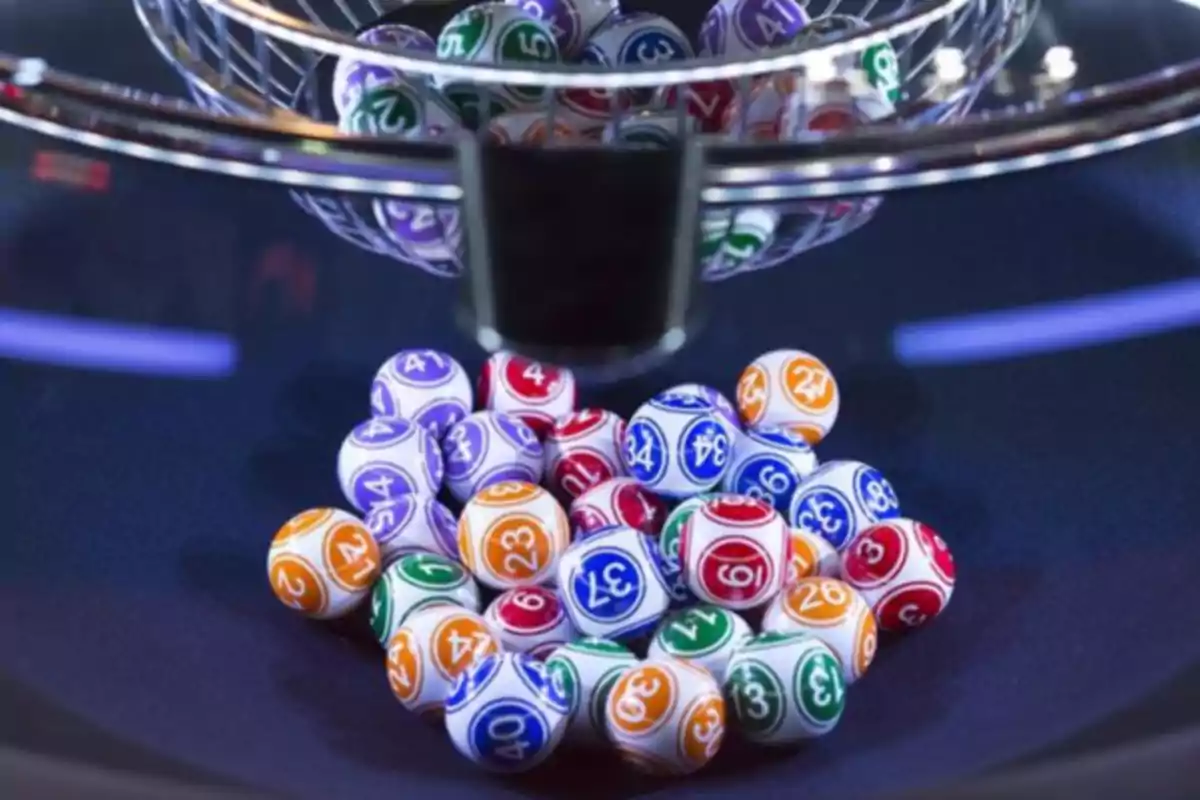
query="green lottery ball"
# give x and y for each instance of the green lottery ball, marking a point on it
(400, 109)
(784, 688)
(879, 62)
(585, 671)
(417, 581)
(494, 33)
(705, 635)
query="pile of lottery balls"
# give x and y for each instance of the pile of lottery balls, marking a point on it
(541, 573)
(371, 99)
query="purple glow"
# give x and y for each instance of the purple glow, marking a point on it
(65, 341)
(1050, 327)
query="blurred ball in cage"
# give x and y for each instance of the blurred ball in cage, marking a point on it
(529, 127)
(591, 109)
(648, 129)
(743, 27)
(494, 33)
(400, 109)
(879, 62)
(352, 77)
(570, 21)
(706, 102)
(424, 231)
(638, 39)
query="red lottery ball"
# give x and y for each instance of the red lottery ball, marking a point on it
(535, 393)
(707, 102)
(735, 552)
(583, 450)
(903, 569)
(619, 501)
(530, 619)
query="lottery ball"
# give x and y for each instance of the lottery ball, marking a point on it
(613, 584)
(784, 688)
(352, 77)
(322, 563)
(413, 524)
(812, 556)
(506, 714)
(833, 612)
(666, 717)
(586, 670)
(529, 127)
(432, 648)
(725, 409)
(707, 102)
(638, 38)
(428, 387)
(424, 231)
(400, 109)
(583, 450)
(385, 458)
(668, 545)
(530, 619)
(590, 109)
(841, 499)
(745, 27)
(904, 571)
(535, 393)
(705, 635)
(676, 445)
(512, 534)
(494, 33)
(617, 501)
(879, 62)
(570, 21)
(735, 552)
(653, 130)
(792, 389)
(417, 581)
(769, 464)
(488, 447)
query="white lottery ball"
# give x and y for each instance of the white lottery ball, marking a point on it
(666, 717)
(426, 386)
(583, 450)
(735, 552)
(904, 570)
(352, 77)
(613, 584)
(512, 534)
(413, 524)
(704, 635)
(835, 613)
(745, 27)
(790, 388)
(812, 556)
(430, 650)
(676, 445)
(784, 688)
(637, 38)
(506, 714)
(587, 669)
(385, 458)
(535, 393)
(417, 581)
(531, 620)
(618, 501)
(840, 500)
(489, 447)
(769, 463)
(322, 563)
(570, 21)
(726, 409)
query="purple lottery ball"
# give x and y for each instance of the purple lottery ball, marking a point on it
(518, 434)
(412, 524)
(373, 484)
(571, 22)
(351, 78)
(488, 447)
(385, 458)
(744, 27)
(465, 448)
(426, 386)
(420, 229)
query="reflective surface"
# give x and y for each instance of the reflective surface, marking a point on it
(182, 355)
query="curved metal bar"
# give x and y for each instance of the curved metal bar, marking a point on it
(281, 26)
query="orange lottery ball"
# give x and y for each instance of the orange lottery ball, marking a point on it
(512, 534)
(322, 563)
(792, 389)
(833, 612)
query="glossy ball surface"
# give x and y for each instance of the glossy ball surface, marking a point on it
(769, 463)
(586, 670)
(583, 450)
(534, 392)
(704, 635)
(430, 650)
(352, 77)
(669, 544)
(570, 21)
(506, 714)
(724, 408)
(904, 571)
(833, 612)
(414, 582)
(613, 585)
(413, 524)
(812, 557)
(530, 620)
(512, 534)
(618, 501)
(666, 717)
(400, 109)
(322, 563)
(735, 552)
(386, 458)
(745, 27)
(488, 448)
(428, 387)
(792, 389)
(427, 232)
(676, 445)
(840, 500)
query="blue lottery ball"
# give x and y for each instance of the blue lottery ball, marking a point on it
(769, 463)
(840, 500)
(677, 445)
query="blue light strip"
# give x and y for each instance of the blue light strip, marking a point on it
(114, 347)
(1050, 327)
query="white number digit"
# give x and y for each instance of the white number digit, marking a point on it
(740, 576)
(528, 601)
(810, 383)
(631, 708)
(509, 729)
